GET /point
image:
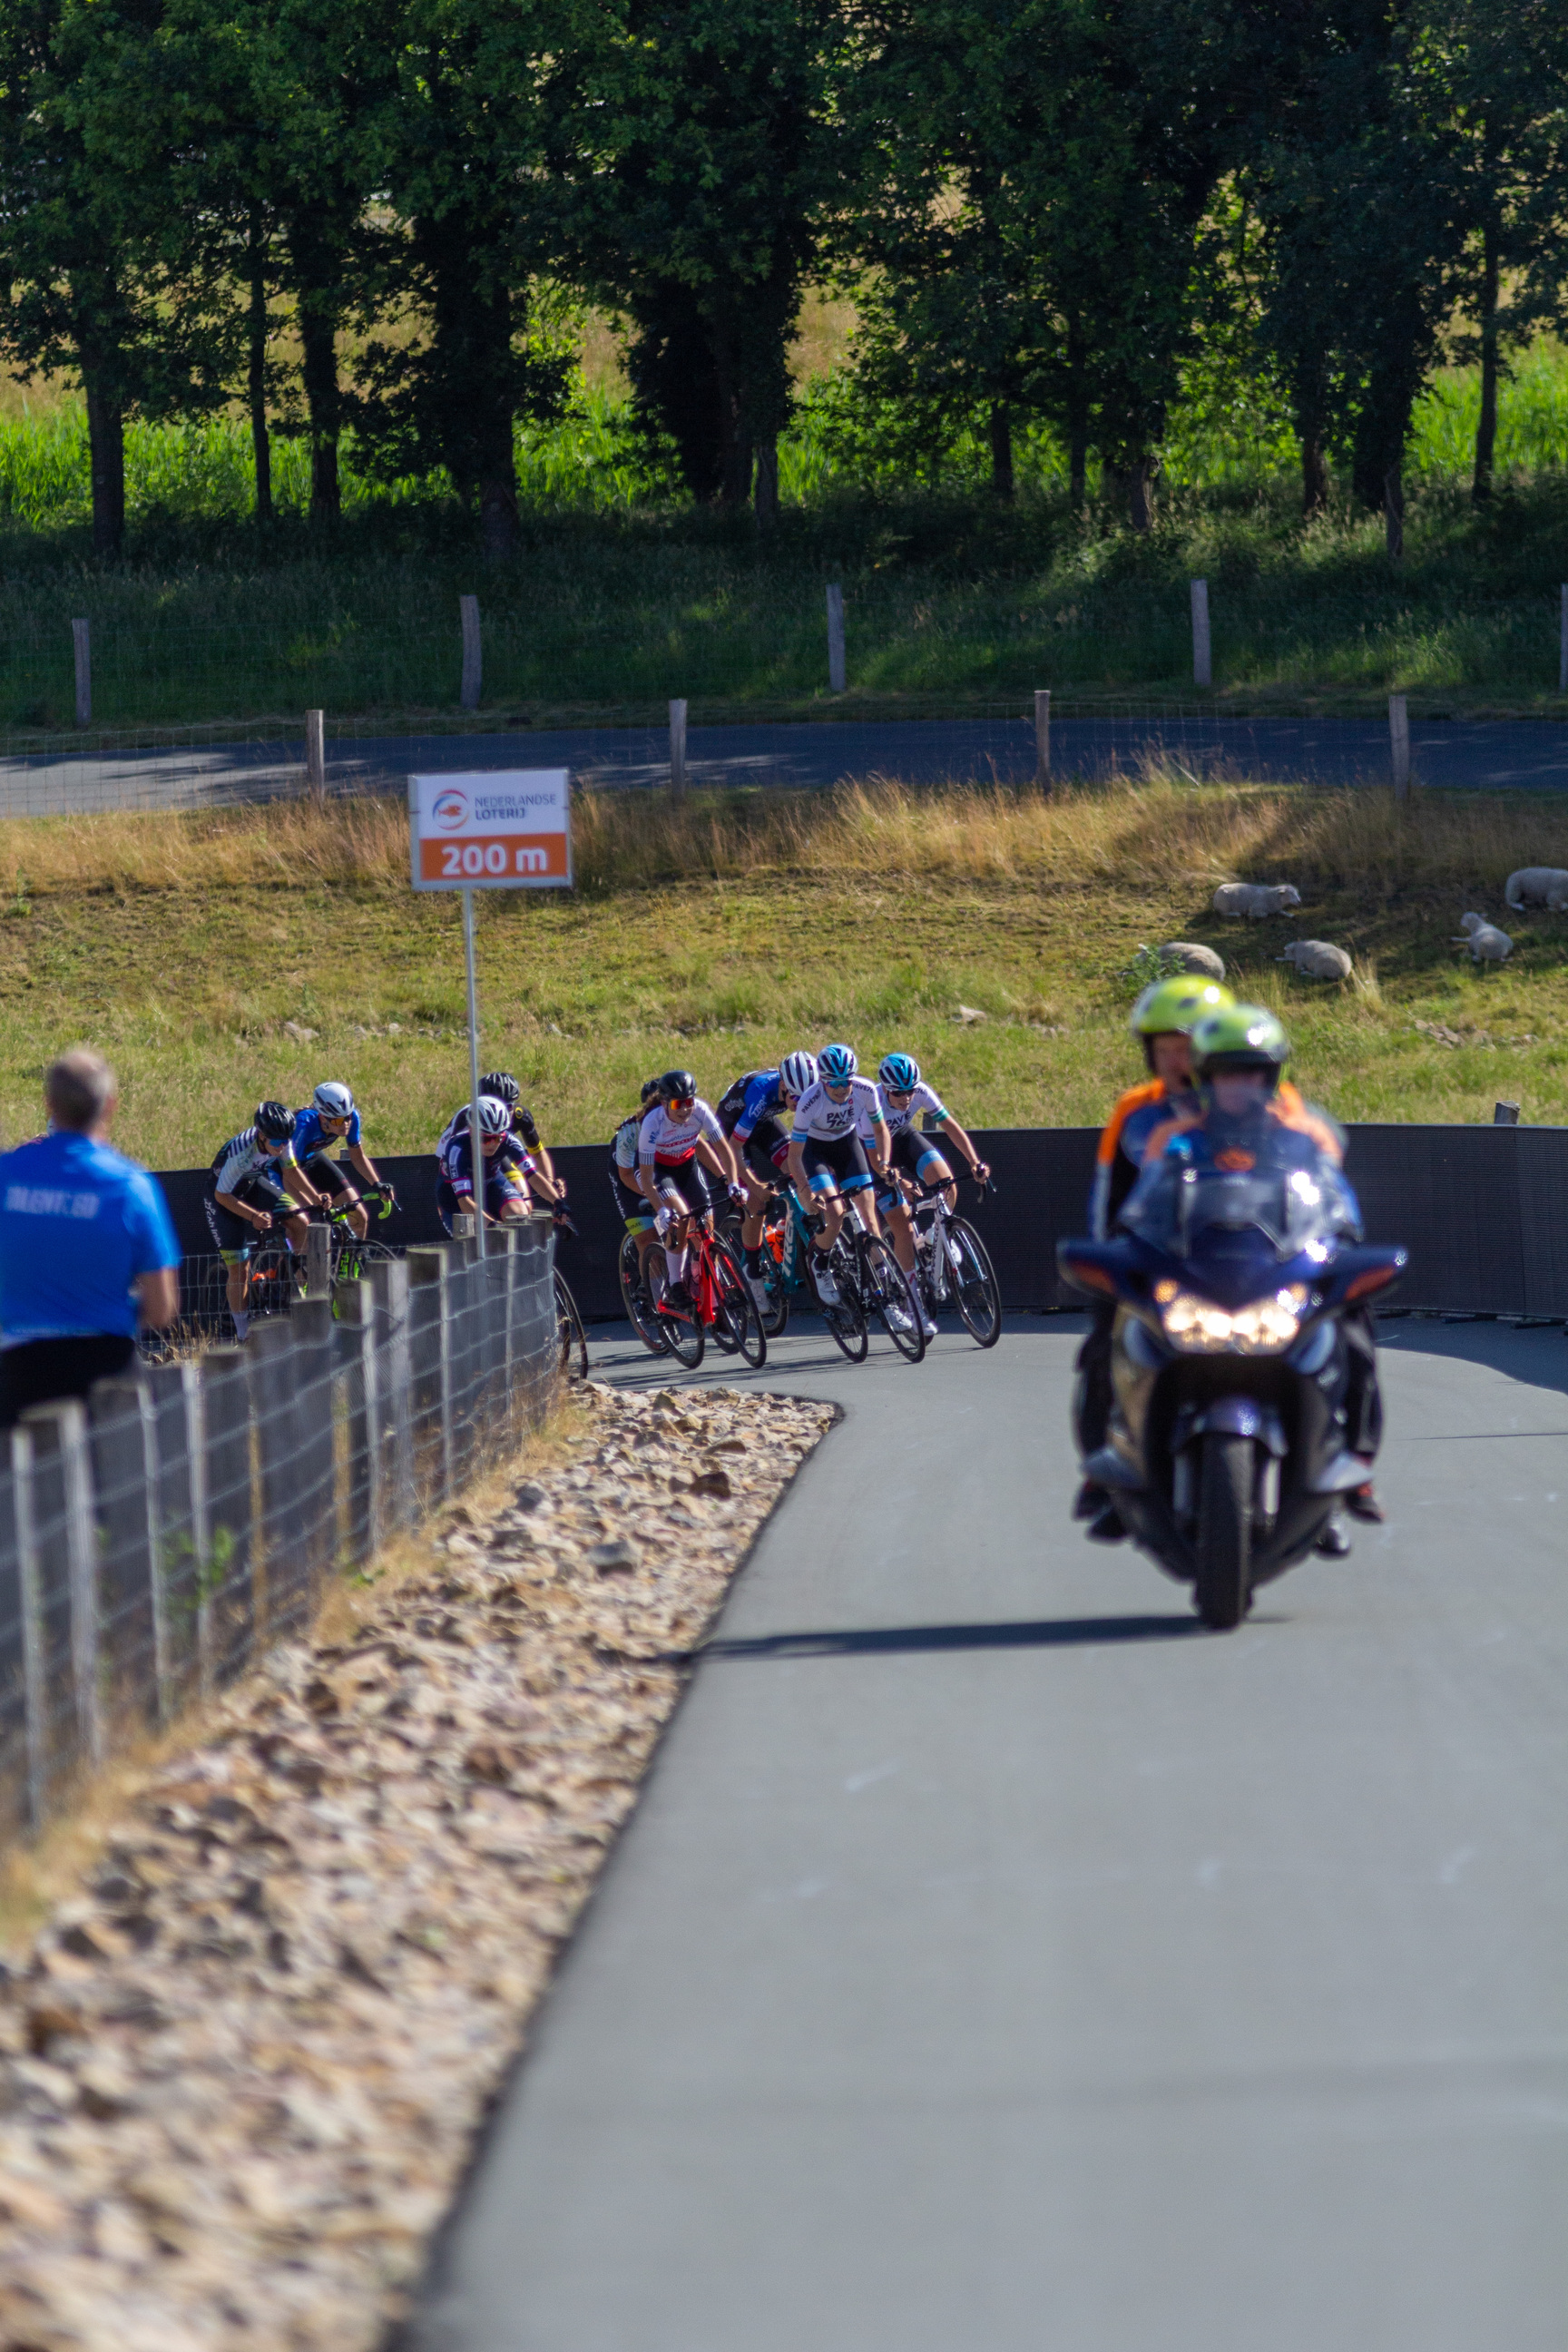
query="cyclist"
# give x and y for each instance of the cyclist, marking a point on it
(504, 1162)
(903, 1093)
(245, 1194)
(750, 1113)
(679, 1139)
(1162, 1021)
(631, 1206)
(836, 1121)
(331, 1119)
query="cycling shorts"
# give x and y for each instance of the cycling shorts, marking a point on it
(631, 1203)
(688, 1180)
(233, 1235)
(326, 1176)
(912, 1155)
(836, 1163)
(500, 1191)
(765, 1151)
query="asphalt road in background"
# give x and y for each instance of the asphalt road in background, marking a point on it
(1479, 754)
(997, 1963)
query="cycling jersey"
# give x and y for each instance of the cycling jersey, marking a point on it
(522, 1123)
(457, 1163)
(311, 1137)
(818, 1116)
(923, 1098)
(759, 1095)
(624, 1146)
(242, 1161)
(663, 1138)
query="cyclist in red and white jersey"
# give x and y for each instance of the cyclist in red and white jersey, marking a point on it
(678, 1142)
(839, 1136)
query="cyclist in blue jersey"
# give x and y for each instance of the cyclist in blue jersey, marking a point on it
(330, 1121)
(904, 1095)
(750, 1113)
(245, 1197)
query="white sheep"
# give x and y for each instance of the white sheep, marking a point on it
(1486, 942)
(1539, 885)
(1256, 900)
(1188, 955)
(1316, 960)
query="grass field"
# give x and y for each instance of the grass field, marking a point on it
(724, 933)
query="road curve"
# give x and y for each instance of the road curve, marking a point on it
(998, 1964)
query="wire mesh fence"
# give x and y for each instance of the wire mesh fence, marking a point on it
(155, 1538)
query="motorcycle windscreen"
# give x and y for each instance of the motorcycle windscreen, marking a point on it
(1288, 1195)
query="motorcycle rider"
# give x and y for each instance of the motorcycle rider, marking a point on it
(1162, 1021)
(1238, 1053)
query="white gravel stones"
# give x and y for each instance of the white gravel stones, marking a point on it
(240, 2075)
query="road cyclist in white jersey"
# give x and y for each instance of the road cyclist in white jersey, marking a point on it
(837, 1138)
(912, 1158)
(679, 1139)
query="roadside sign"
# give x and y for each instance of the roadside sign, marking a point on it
(496, 829)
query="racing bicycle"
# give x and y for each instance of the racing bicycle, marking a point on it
(952, 1266)
(722, 1303)
(867, 1276)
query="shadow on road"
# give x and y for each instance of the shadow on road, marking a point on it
(1043, 1634)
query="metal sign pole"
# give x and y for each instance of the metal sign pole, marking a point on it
(475, 1141)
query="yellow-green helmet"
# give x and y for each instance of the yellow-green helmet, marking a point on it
(1179, 1003)
(1240, 1037)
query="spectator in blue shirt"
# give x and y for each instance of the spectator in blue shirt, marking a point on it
(86, 1248)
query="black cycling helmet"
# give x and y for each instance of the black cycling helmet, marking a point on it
(678, 1085)
(650, 1088)
(275, 1120)
(502, 1086)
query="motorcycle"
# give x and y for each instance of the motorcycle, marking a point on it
(1227, 1455)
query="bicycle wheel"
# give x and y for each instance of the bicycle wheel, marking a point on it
(737, 1326)
(973, 1278)
(889, 1295)
(685, 1341)
(269, 1280)
(649, 1327)
(574, 1339)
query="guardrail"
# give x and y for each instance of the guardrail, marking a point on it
(153, 1540)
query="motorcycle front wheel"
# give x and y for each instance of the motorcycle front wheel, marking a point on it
(1223, 1585)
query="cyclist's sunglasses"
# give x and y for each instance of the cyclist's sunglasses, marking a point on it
(682, 1102)
(273, 1142)
(836, 1086)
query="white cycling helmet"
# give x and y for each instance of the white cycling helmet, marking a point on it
(495, 1117)
(334, 1099)
(798, 1072)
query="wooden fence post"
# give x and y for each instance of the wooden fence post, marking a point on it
(389, 1286)
(1203, 664)
(473, 653)
(123, 1416)
(835, 670)
(677, 747)
(1043, 738)
(430, 1366)
(357, 1358)
(315, 1464)
(30, 1595)
(316, 753)
(59, 1440)
(228, 1564)
(81, 646)
(1399, 744)
(318, 1261)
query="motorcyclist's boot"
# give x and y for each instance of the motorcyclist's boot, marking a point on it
(1361, 1503)
(1333, 1543)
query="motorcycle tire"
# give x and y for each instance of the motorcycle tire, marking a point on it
(1226, 1478)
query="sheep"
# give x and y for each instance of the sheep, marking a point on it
(1539, 885)
(1485, 941)
(1316, 960)
(1256, 900)
(1186, 955)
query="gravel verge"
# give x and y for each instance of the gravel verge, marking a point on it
(241, 2074)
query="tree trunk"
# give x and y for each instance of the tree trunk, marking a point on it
(260, 440)
(765, 493)
(1141, 494)
(1001, 451)
(500, 531)
(1394, 512)
(1485, 429)
(1314, 468)
(106, 444)
(1077, 421)
(318, 345)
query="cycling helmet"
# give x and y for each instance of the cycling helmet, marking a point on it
(678, 1085)
(650, 1088)
(503, 1085)
(1240, 1037)
(836, 1064)
(796, 1071)
(900, 1073)
(334, 1099)
(495, 1115)
(275, 1120)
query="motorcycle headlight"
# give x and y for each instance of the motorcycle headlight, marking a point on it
(1262, 1327)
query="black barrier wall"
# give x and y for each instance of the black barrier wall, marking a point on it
(1483, 1211)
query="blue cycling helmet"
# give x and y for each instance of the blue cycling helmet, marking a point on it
(900, 1074)
(836, 1064)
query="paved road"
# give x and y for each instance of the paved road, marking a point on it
(1479, 754)
(997, 1964)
